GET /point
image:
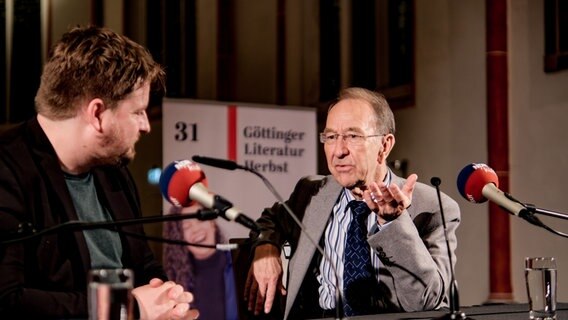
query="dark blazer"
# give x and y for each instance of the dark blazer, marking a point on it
(46, 277)
(415, 269)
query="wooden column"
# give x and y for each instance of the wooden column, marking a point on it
(498, 147)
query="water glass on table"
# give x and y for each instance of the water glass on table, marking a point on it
(109, 294)
(540, 277)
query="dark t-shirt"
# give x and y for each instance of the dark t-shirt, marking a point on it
(105, 248)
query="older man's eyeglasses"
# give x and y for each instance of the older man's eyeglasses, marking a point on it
(349, 138)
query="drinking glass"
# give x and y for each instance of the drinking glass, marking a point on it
(540, 277)
(109, 294)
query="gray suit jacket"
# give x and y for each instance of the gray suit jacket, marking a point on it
(415, 269)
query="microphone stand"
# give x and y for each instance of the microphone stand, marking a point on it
(454, 312)
(231, 165)
(528, 214)
(338, 300)
(532, 209)
(26, 231)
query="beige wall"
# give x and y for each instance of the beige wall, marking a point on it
(539, 157)
(447, 129)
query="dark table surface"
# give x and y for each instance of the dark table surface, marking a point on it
(485, 312)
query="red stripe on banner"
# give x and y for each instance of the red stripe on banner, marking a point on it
(232, 133)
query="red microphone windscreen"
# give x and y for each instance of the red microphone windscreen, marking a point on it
(176, 180)
(473, 178)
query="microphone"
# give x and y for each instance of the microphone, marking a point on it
(477, 183)
(183, 183)
(217, 163)
(455, 312)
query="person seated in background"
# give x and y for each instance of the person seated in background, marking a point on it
(69, 163)
(382, 235)
(200, 268)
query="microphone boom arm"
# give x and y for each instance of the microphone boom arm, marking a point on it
(532, 209)
(231, 165)
(24, 229)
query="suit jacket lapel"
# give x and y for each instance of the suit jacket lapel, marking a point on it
(315, 220)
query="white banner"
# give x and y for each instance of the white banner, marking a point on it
(278, 142)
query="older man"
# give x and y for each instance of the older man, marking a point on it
(382, 235)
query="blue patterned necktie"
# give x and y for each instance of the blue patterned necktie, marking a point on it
(358, 275)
